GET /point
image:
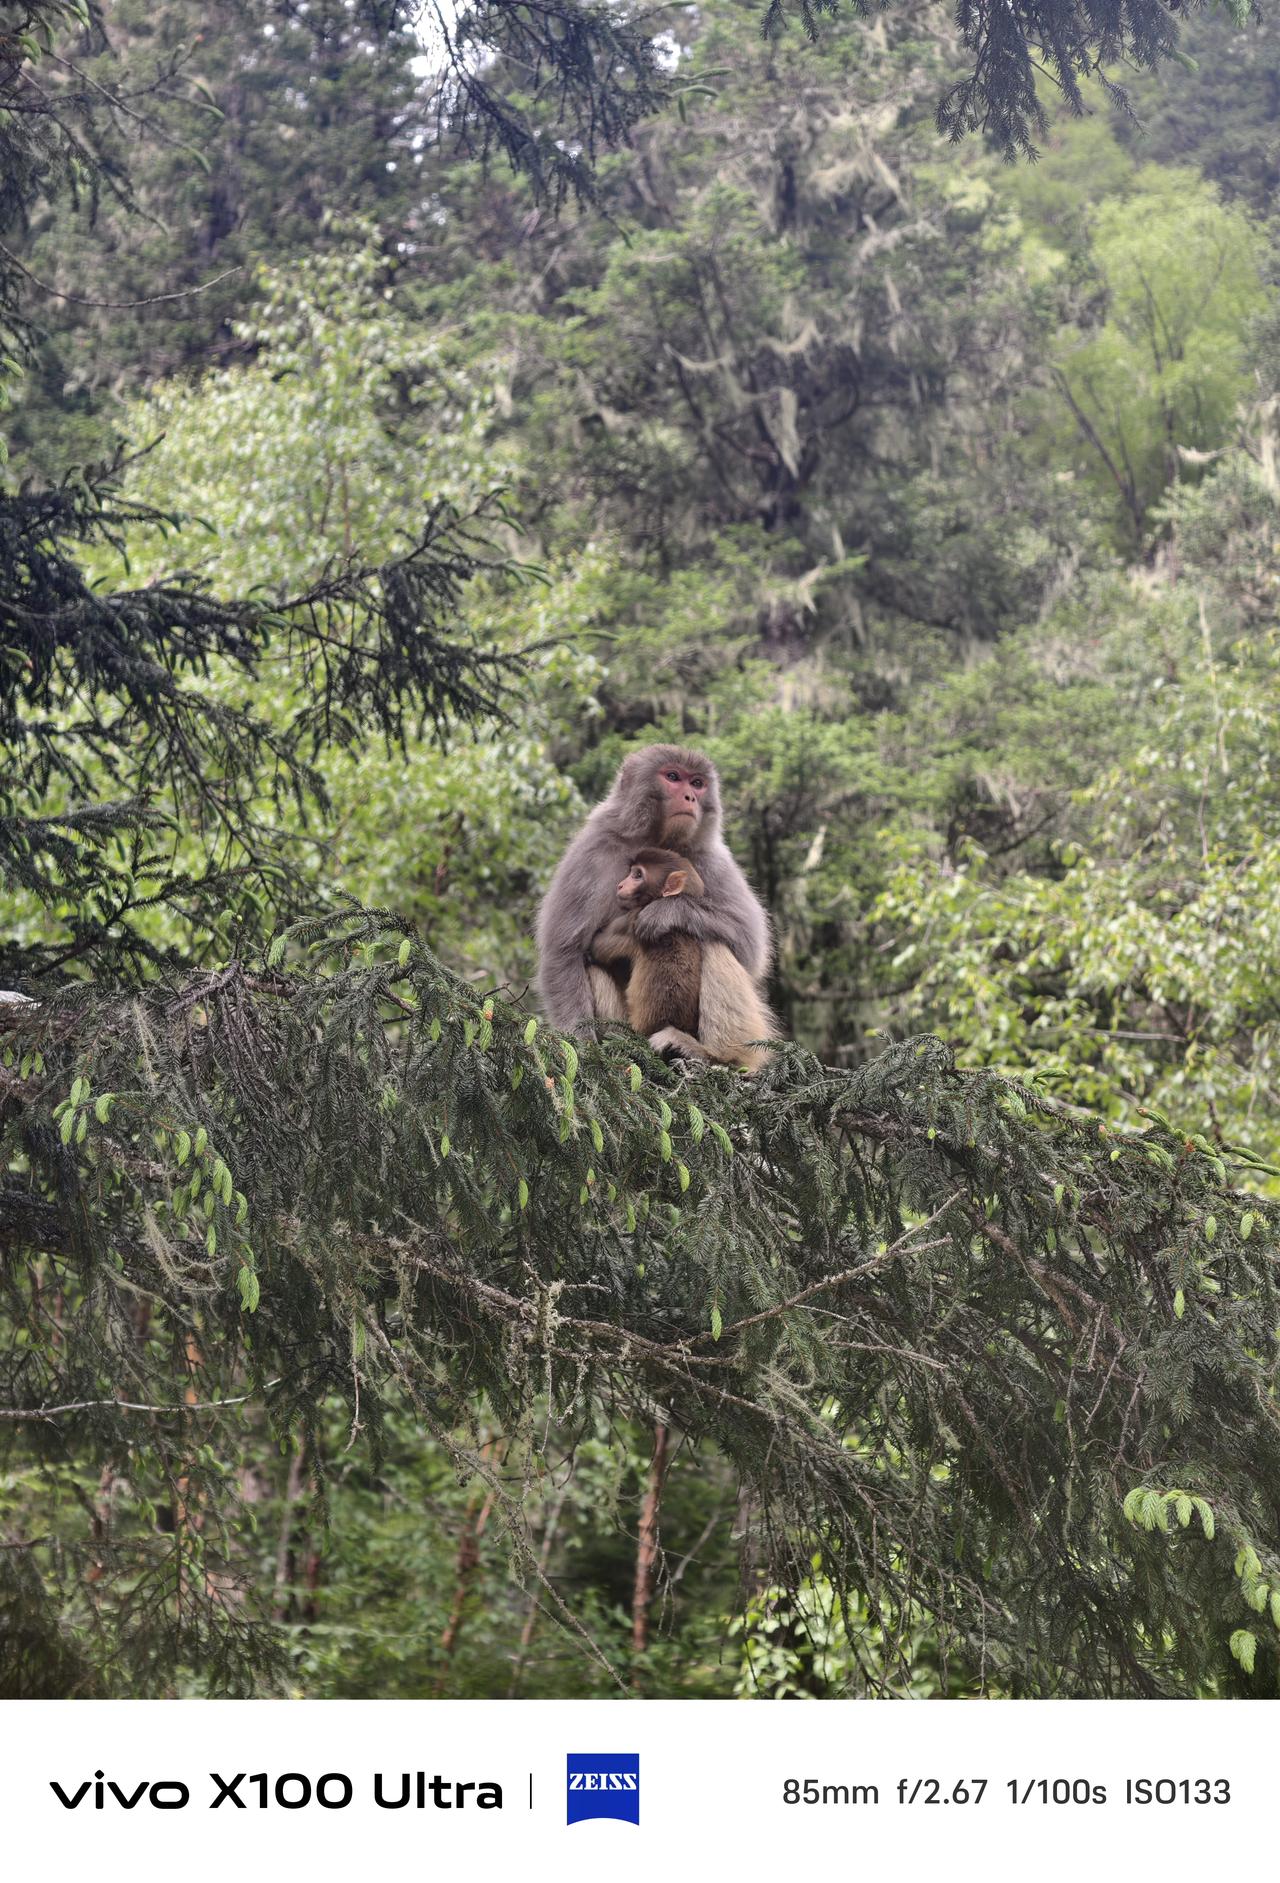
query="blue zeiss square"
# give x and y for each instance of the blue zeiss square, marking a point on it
(604, 1785)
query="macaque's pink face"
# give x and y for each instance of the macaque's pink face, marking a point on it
(682, 795)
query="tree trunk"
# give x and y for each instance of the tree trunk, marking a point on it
(286, 1556)
(473, 1528)
(647, 1545)
(531, 1614)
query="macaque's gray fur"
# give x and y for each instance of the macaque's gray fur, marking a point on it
(583, 892)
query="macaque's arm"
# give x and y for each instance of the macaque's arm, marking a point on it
(614, 942)
(582, 896)
(726, 912)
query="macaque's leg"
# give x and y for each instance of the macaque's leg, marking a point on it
(672, 1039)
(607, 997)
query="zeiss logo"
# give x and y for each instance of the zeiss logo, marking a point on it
(604, 1785)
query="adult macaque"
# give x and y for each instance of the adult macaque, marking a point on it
(688, 996)
(663, 797)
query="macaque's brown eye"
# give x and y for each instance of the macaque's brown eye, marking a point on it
(674, 777)
(697, 783)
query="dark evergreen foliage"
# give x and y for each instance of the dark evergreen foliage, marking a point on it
(1014, 46)
(586, 75)
(121, 678)
(941, 1329)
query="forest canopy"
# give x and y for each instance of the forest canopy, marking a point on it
(408, 415)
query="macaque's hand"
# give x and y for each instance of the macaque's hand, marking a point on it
(613, 942)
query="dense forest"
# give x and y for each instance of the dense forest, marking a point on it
(409, 414)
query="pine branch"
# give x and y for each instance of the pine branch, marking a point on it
(980, 1355)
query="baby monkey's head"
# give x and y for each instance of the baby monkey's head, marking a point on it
(655, 873)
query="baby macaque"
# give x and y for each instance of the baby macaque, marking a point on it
(684, 995)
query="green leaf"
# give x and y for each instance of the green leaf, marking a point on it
(1182, 1505)
(1244, 1646)
(664, 1146)
(1179, 1304)
(530, 1032)
(717, 1322)
(202, 1141)
(183, 1147)
(102, 1106)
(67, 1126)
(597, 1135)
(570, 1061)
(444, 1145)
(683, 1175)
(697, 1123)
(636, 1076)
(1210, 1228)
(403, 952)
(275, 954)
(664, 1114)
(721, 1137)
(250, 1289)
(522, 1193)
(1246, 1225)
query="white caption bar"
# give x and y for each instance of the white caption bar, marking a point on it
(318, 1789)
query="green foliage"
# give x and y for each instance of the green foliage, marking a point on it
(1128, 963)
(345, 430)
(1155, 384)
(397, 1267)
(1015, 45)
(1215, 107)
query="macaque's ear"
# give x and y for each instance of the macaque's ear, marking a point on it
(674, 885)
